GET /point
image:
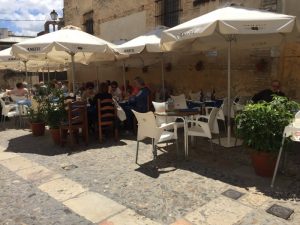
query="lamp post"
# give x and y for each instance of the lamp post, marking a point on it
(54, 21)
(54, 16)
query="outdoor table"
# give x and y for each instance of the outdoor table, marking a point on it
(290, 130)
(193, 103)
(26, 102)
(183, 114)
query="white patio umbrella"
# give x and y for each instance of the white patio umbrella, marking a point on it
(68, 44)
(144, 49)
(226, 28)
(8, 61)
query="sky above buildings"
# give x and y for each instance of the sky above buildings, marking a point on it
(36, 12)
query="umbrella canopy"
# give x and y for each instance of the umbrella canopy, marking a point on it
(226, 28)
(144, 50)
(247, 28)
(68, 44)
(9, 61)
(149, 42)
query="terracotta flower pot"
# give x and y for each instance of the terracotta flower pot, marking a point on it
(263, 163)
(38, 129)
(55, 133)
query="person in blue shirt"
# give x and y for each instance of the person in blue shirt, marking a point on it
(139, 102)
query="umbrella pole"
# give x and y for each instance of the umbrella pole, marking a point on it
(229, 95)
(124, 78)
(73, 71)
(163, 78)
(48, 75)
(43, 76)
(26, 73)
(97, 78)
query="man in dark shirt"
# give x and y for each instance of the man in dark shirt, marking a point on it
(267, 94)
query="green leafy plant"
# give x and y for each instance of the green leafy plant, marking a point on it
(261, 125)
(37, 112)
(55, 110)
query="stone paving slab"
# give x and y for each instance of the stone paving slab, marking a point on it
(220, 211)
(18, 163)
(181, 222)
(129, 217)
(21, 203)
(38, 173)
(62, 189)
(261, 218)
(254, 200)
(7, 155)
(93, 206)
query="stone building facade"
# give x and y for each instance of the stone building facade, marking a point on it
(252, 70)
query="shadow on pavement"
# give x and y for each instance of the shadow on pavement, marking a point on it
(43, 145)
(231, 166)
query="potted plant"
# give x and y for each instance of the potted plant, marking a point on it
(261, 126)
(36, 115)
(55, 112)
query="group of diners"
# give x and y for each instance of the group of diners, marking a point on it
(136, 97)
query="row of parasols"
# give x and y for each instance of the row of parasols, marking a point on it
(225, 28)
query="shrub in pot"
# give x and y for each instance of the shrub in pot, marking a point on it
(261, 126)
(36, 115)
(55, 112)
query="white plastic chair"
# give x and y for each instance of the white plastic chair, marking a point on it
(147, 128)
(220, 115)
(179, 101)
(160, 107)
(297, 119)
(204, 129)
(9, 110)
(195, 96)
(224, 107)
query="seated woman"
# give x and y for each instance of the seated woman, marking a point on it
(89, 92)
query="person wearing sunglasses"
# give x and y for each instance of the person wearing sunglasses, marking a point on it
(267, 94)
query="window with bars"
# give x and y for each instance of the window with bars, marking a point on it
(88, 22)
(168, 12)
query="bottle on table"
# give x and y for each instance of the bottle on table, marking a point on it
(213, 95)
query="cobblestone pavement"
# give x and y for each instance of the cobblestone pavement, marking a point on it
(22, 203)
(180, 192)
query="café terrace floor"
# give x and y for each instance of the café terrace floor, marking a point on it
(42, 183)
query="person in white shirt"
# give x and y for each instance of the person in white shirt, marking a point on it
(115, 91)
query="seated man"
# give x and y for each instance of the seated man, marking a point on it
(20, 90)
(267, 94)
(139, 101)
